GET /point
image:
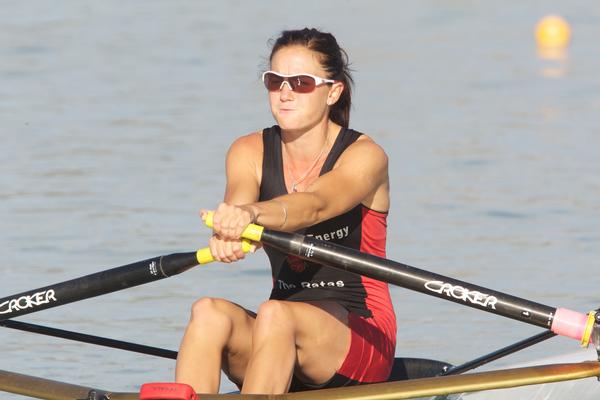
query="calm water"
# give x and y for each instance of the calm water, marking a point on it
(115, 117)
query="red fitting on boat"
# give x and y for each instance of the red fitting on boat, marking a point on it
(167, 391)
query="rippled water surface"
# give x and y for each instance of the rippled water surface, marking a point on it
(115, 117)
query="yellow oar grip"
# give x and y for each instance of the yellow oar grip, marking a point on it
(204, 256)
(252, 232)
(589, 326)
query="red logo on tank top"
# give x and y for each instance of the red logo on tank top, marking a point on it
(296, 264)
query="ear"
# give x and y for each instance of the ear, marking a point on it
(335, 91)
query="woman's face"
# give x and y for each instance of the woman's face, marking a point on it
(301, 111)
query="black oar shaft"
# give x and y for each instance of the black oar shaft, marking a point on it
(91, 339)
(505, 351)
(96, 284)
(403, 275)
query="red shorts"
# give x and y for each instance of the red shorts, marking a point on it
(369, 359)
(371, 353)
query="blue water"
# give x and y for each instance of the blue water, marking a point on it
(115, 117)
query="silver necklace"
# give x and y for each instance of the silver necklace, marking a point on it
(296, 182)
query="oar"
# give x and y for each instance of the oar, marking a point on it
(103, 282)
(560, 321)
(91, 339)
(170, 354)
(503, 352)
(96, 284)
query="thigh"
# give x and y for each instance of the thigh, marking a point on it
(322, 339)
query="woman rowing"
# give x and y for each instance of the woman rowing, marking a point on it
(321, 327)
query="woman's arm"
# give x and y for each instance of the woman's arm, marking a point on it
(359, 176)
(243, 171)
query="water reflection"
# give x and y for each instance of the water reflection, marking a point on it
(555, 61)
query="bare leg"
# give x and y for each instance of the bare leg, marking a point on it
(218, 331)
(311, 338)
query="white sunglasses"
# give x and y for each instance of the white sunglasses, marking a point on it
(300, 83)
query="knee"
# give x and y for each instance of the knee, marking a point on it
(207, 309)
(273, 313)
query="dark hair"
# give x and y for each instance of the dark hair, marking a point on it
(333, 59)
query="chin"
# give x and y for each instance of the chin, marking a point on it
(288, 123)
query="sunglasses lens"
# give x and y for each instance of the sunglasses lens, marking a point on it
(302, 83)
(273, 82)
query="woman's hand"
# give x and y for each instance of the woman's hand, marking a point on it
(228, 224)
(226, 251)
(229, 221)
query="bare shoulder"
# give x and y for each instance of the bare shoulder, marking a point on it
(363, 161)
(366, 150)
(246, 149)
(244, 158)
(250, 142)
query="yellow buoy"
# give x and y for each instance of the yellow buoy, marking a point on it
(553, 31)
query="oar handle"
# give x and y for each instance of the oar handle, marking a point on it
(204, 256)
(252, 233)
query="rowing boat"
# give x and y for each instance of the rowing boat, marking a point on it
(411, 377)
(439, 386)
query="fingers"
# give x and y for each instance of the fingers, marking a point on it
(229, 221)
(255, 246)
(226, 251)
(204, 214)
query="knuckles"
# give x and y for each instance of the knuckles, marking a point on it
(224, 250)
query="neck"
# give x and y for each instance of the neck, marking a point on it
(304, 155)
(304, 146)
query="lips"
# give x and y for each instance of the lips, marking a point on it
(286, 111)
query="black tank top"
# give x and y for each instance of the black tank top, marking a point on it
(298, 280)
